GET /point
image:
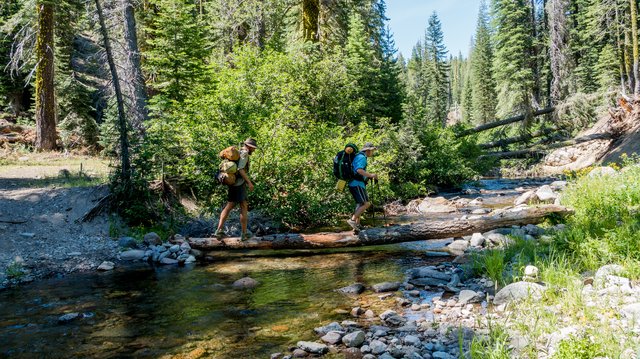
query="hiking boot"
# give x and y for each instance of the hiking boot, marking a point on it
(246, 236)
(219, 234)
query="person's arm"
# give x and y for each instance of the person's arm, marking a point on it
(245, 176)
(366, 174)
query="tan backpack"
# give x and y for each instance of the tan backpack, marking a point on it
(228, 167)
(230, 153)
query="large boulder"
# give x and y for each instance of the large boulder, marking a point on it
(517, 291)
(545, 194)
(132, 255)
(354, 339)
(602, 171)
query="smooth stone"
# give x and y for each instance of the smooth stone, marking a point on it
(355, 288)
(354, 339)
(169, 261)
(332, 337)
(545, 194)
(152, 238)
(174, 248)
(245, 283)
(333, 326)
(106, 266)
(299, 353)
(518, 290)
(477, 240)
(132, 255)
(386, 287)
(313, 347)
(531, 271)
(377, 347)
(469, 296)
(412, 340)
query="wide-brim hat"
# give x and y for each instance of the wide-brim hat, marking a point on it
(368, 146)
(250, 142)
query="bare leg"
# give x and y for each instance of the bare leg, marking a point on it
(225, 213)
(359, 211)
(244, 215)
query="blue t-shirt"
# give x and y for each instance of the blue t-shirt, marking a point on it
(359, 162)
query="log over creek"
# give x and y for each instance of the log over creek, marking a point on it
(521, 215)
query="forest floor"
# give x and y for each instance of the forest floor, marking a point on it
(41, 197)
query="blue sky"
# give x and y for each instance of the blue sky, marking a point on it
(408, 21)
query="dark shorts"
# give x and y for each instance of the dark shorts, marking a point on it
(359, 194)
(237, 194)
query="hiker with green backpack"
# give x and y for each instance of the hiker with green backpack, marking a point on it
(357, 184)
(237, 189)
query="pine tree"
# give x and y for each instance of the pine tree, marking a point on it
(362, 70)
(176, 52)
(45, 90)
(560, 58)
(436, 72)
(512, 68)
(482, 79)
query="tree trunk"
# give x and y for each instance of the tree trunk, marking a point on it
(310, 20)
(634, 37)
(388, 235)
(122, 121)
(506, 121)
(45, 90)
(139, 91)
(538, 151)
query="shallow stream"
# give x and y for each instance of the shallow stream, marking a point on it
(152, 312)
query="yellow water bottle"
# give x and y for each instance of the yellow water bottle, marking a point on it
(341, 185)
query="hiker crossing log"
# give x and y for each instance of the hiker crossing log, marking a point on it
(488, 126)
(388, 235)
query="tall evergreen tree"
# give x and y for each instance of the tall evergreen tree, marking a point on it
(437, 72)
(45, 89)
(560, 57)
(482, 78)
(512, 68)
(176, 51)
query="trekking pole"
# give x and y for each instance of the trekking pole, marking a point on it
(384, 213)
(373, 197)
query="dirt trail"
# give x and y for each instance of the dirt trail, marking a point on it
(39, 206)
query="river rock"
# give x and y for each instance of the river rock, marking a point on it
(354, 339)
(545, 194)
(352, 289)
(600, 278)
(392, 318)
(128, 242)
(497, 238)
(169, 261)
(106, 266)
(558, 185)
(332, 337)
(245, 283)
(412, 340)
(69, 317)
(313, 347)
(386, 287)
(477, 240)
(531, 271)
(152, 238)
(469, 296)
(458, 246)
(174, 248)
(357, 311)
(132, 255)
(602, 171)
(299, 353)
(377, 347)
(333, 326)
(518, 290)
(352, 353)
(524, 198)
(436, 205)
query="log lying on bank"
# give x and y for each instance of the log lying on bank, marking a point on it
(541, 151)
(506, 121)
(388, 235)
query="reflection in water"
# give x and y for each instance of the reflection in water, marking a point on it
(152, 312)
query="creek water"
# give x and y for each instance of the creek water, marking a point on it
(152, 312)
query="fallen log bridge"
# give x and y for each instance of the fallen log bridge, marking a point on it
(388, 235)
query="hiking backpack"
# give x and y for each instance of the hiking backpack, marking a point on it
(228, 166)
(343, 162)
